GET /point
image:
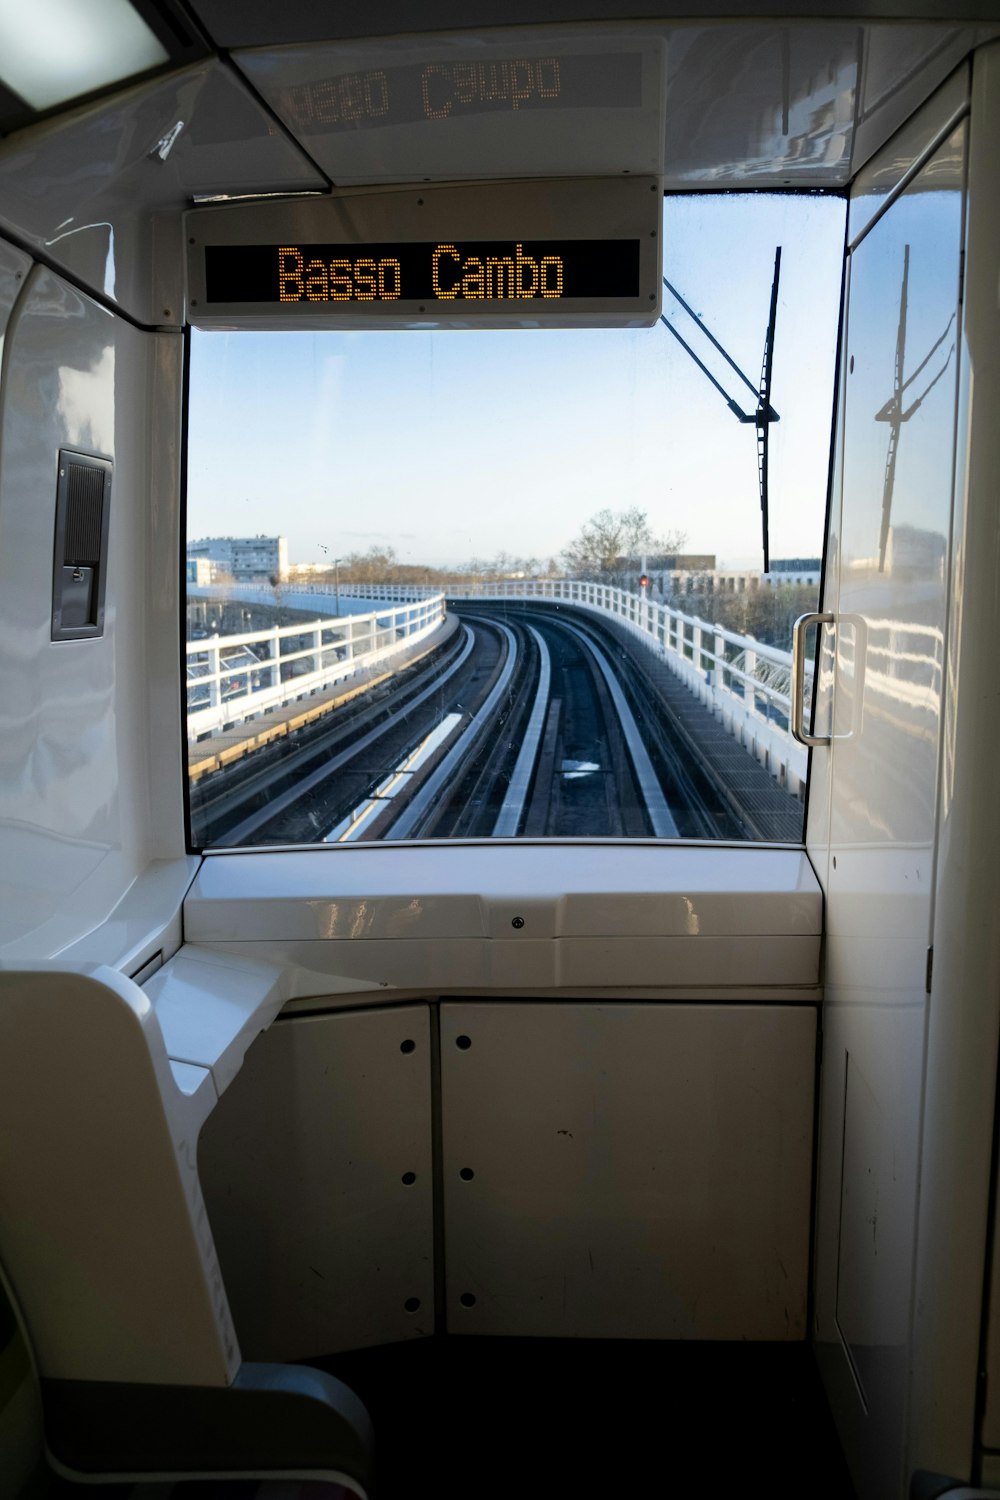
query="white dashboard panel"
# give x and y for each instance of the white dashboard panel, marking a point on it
(477, 890)
(515, 917)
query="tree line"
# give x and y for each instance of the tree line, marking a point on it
(608, 548)
(611, 547)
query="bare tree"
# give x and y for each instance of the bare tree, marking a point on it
(377, 565)
(502, 566)
(613, 542)
(766, 613)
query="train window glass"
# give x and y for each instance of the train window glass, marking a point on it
(481, 584)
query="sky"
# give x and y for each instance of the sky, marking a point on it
(451, 445)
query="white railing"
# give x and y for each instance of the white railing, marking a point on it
(743, 681)
(234, 677)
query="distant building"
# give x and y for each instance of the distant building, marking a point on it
(242, 557)
(706, 581)
(697, 574)
(199, 570)
(796, 564)
(807, 571)
(685, 562)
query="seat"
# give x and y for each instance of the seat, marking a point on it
(108, 1263)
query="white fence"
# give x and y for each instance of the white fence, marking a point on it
(743, 681)
(235, 677)
(895, 666)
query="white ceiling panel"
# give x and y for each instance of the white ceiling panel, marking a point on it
(98, 191)
(707, 104)
(760, 104)
(902, 66)
(511, 103)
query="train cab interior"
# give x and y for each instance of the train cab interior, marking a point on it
(517, 1028)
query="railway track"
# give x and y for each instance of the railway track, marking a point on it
(303, 791)
(576, 764)
(690, 792)
(534, 726)
(252, 800)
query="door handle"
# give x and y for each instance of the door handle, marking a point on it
(802, 624)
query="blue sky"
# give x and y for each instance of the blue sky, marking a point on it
(451, 445)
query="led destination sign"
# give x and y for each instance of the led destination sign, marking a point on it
(442, 271)
(560, 253)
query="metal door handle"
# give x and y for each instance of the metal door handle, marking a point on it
(799, 629)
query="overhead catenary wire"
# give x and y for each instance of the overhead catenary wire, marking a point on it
(764, 413)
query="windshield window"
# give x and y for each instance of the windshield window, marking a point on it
(511, 583)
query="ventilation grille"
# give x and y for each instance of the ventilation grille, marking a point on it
(84, 514)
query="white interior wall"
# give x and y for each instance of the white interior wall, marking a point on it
(90, 767)
(964, 1015)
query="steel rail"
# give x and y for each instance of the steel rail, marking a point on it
(657, 808)
(287, 799)
(351, 827)
(681, 761)
(240, 780)
(419, 805)
(512, 809)
(238, 783)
